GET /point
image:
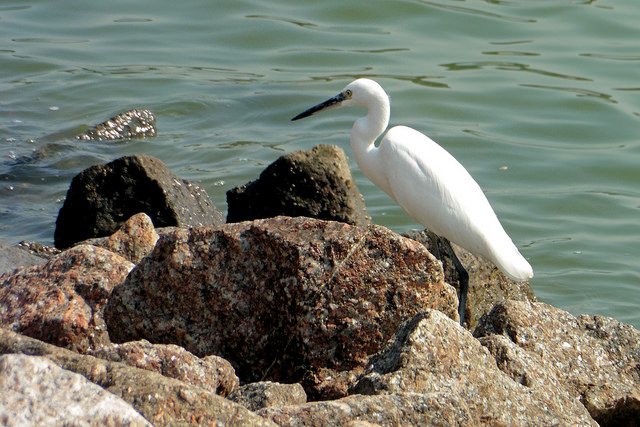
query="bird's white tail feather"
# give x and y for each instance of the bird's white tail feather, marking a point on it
(513, 265)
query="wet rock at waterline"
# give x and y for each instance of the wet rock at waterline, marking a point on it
(127, 125)
(101, 198)
(315, 183)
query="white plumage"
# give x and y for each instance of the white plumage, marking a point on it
(425, 180)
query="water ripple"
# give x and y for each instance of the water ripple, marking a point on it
(508, 66)
(478, 12)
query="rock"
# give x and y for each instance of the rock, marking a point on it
(102, 197)
(434, 356)
(12, 258)
(38, 249)
(127, 125)
(595, 359)
(266, 394)
(36, 391)
(279, 297)
(61, 301)
(398, 409)
(161, 400)
(315, 183)
(488, 286)
(134, 241)
(212, 373)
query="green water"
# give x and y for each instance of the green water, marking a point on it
(539, 100)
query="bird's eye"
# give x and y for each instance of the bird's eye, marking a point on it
(348, 93)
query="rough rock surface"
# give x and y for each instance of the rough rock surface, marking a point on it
(434, 356)
(102, 197)
(12, 258)
(161, 400)
(280, 296)
(266, 394)
(398, 409)
(130, 124)
(134, 241)
(596, 359)
(61, 302)
(487, 284)
(36, 391)
(212, 373)
(315, 183)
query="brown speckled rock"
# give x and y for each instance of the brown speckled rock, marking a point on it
(281, 296)
(596, 359)
(266, 394)
(315, 183)
(161, 400)
(212, 373)
(398, 409)
(37, 392)
(433, 355)
(61, 302)
(133, 241)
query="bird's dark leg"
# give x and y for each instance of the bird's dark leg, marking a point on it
(444, 249)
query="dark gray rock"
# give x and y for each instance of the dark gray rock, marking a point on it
(279, 297)
(127, 125)
(102, 197)
(315, 183)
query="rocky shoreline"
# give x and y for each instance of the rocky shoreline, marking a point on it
(302, 313)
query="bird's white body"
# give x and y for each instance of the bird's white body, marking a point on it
(425, 180)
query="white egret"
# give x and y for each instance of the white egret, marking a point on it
(426, 181)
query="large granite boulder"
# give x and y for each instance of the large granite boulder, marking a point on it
(102, 197)
(279, 297)
(315, 183)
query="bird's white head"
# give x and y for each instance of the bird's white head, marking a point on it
(364, 92)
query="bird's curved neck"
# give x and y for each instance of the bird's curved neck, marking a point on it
(367, 129)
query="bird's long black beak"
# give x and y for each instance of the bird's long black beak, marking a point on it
(329, 103)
